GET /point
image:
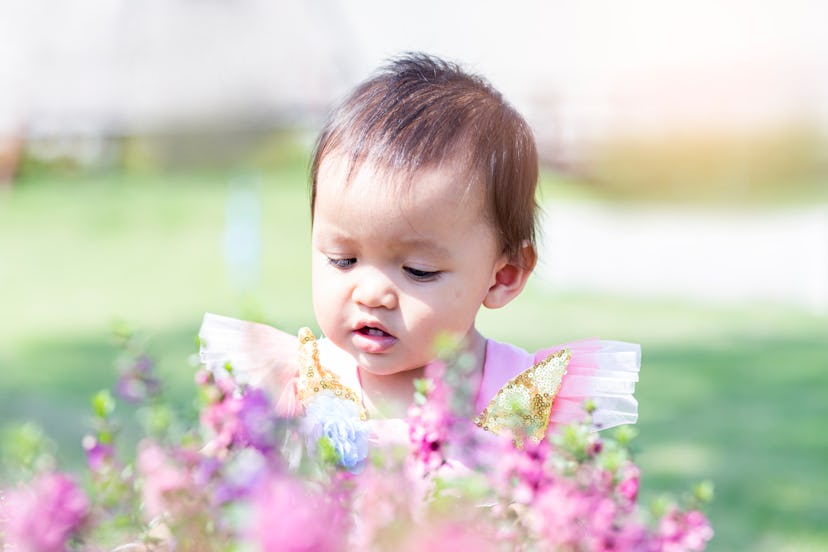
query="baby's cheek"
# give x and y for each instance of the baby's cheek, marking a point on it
(331, 329)
(327, 304)
(325, 307)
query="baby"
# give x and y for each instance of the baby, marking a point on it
(423, 210)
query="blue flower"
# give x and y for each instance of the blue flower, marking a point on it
(338, 421)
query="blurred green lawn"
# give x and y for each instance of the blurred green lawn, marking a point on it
(733, 394)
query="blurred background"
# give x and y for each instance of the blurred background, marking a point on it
(153, 166)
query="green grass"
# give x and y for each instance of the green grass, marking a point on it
(734, 394)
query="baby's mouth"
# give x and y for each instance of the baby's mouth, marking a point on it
(373, 332)
(373, 339)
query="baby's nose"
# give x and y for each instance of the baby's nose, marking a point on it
(373, 289)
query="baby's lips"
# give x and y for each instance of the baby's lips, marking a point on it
(374, 343)
(364, 326)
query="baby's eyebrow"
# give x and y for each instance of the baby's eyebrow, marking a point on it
(333, 234)
(430, 246)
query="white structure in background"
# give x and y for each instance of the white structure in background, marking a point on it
(113, 67)
(576, 68)
(243, 234)
(779, 256)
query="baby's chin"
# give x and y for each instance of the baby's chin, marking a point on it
(381, 364)
(387, 365)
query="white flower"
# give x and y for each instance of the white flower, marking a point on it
(338, 420)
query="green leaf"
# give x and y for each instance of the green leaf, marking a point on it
(327, 452)
(24, 446)
(703, 492)
(158, 418)
(422, 385)
(625, 434)
(446, 345)
(103, 404)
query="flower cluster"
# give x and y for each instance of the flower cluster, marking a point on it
(248, 479)
(137, 381)
(429, 423)
(573, 492)
(236, 419)
(46, 515)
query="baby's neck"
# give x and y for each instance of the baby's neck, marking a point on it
(390, 396)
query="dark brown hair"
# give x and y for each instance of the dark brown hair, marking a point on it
(418, 111)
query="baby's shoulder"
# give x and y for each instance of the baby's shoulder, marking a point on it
(253, 351)
(291, 368)
(552, 385)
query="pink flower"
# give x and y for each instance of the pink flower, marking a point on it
(429, 425)
(631, 535)
(628, 486)
(522, 472)
(46, 515)
(290, 516)
(566, 515)
(450, 537)
(386, 502)
(559, 514)
(221, 419)
(203, 377)
(162, 478)
(683, 531)
(602, 515)
(427, 433)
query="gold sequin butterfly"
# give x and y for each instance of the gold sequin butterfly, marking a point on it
(525, 402)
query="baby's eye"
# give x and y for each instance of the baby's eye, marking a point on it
(342, 264)
(421, 275)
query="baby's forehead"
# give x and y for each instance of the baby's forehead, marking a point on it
(444, 190)
(453, 175)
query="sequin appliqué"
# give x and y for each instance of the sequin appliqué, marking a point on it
(314, 379)
(525, 401)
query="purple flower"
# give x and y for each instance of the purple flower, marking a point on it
(44, 516)
(256, 422)
(98, 455)
(245, 420)
(338, 421)
(137, 381)
(240, 476)
(206, 470)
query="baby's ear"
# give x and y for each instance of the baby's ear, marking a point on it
(511, 277)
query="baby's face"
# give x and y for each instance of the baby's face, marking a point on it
(394, 267)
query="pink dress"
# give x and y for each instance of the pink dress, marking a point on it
(553, 383)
